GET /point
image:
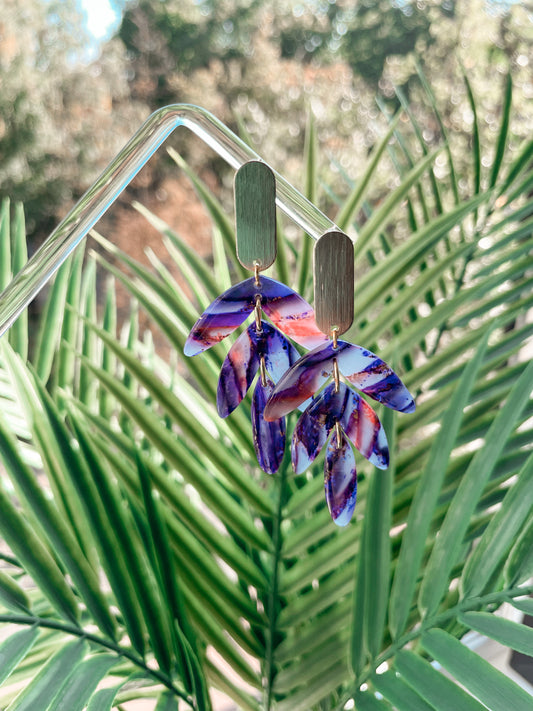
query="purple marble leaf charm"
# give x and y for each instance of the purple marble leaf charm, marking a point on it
(357, 419)
(340, 480)
(242, 363)
(285, 308)
(359, 366)
(269, 437)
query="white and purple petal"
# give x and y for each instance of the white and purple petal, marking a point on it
(365, 431)
(286, 309)
(301, 382)
(372, 376)
(222, 317)
(340, 480)
(269, 437)
(359, 366)
(289, 312)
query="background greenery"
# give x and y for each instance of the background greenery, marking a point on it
(144, 547)
(64, 112)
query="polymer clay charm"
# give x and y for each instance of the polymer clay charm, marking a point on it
(263, 347)
(337, 412)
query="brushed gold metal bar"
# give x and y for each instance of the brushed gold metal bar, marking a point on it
(338, 434)
(255, 215)
(336, 375)
(334, 282)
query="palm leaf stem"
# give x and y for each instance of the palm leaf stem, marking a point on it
(272, 603)
(41, 622)
(436, 621)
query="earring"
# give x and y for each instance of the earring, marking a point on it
(337, 410)
(262, 347)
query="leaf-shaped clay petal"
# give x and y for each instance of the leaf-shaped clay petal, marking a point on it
(372, 376)
(285, 308)
(269, 437)
(300, 382)
(278, 352)
(242, 362)
(312, 431)
(356, 418)
(237, 372)
(363, 428)
(359, 366)
(340, 480)
(222, 317)
(289, 312)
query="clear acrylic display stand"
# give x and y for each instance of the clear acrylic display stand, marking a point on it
(120, 172)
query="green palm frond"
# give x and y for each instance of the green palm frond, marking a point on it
(146, 549)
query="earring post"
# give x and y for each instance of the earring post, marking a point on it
(115, 178)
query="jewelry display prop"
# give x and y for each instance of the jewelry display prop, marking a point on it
(285, 381)
(119, 174)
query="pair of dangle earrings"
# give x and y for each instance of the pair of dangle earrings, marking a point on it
(286, 381)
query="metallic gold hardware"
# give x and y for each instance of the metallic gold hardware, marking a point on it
(334, 334)
(262, 371)
(338, 433)
(255, 215)
(334, 282)
(256, 273)
(257, 314)
(336, 376)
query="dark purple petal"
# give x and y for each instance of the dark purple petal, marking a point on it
(373, 377)
(289, 312)
(269, 437)
(278, 352)
(340, 480)
(308, 438)
(242, 362)
(299, 383)
(356, 418)
(237, 372)
(313, 428)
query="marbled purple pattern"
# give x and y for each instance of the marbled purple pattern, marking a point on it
(221, 318)
(357, 419)
(284, 307)
(242, 363)
(269, 437)
(361, 367)
(340, 480)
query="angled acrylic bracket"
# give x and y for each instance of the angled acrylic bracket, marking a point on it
(120, 172)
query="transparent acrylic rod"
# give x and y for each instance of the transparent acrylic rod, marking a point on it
(120, 172)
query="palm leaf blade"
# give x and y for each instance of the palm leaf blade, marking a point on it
(83, 683)
(14, 649)
(488, 684)
(425, 497)
(432, 685)
(444, 554)
(52, 678)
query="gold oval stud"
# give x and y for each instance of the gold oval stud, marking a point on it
(334, 282)
(255, 215)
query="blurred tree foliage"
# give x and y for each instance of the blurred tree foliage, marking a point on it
(57, 128)
(185, 36)
(258, 66)
(270, 63)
